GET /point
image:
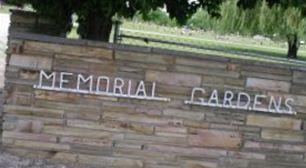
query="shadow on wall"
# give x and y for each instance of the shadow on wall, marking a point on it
(5, 22)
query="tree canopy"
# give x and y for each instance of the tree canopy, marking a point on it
(292, 24)
(95, 16)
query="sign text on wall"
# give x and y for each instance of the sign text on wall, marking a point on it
(117, 87)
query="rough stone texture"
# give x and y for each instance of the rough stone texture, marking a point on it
(175, 79)
(274, 122)
(214, 138)
(267, 84)
(106, 131)
(10, 160)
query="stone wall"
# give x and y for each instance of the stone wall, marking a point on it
(110, 131)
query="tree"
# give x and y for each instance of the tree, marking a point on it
(293, 22)
(95, 16)
(59, 12)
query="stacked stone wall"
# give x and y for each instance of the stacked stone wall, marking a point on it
(114, 131)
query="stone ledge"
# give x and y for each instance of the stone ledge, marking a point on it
(141, 49)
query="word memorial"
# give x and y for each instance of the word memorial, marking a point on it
(118, 87)
(102, 86)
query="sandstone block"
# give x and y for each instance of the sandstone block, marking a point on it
(233, 163)
(171, 131)
(29, 74)
(118, 107)
(266, 84)
(274, 122)
(267, 69)
(86, 141)
(81, 51)
(221, 81)
(112, 126)
(207, 71)
(61, 156)
(20, 99)
(187, 151)
(78, 132)
(156, 139)
(214, 138)
(299, 77)
(196, 124)
(298, 89)
(151, 120)
(247, 155)
(84, 115)
(31, 62)
(282, 135)
(149, 110)
(267, 75)
(206, 64)
(287, 157)
(176, 79)
(15, 46)
(130, 144)
(42, 112)
(140, 57)
(57, 96)
(71, 65)
(43, 120)
(30, 126)
(30, 136)
(292, 148)
(110, 161)
(144, 155)
(200, 164)
(161, 165)
(173, 90)
(185, 114)
(41, 145)
(148, 66)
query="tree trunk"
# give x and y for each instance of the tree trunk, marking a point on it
(95, 27)
(293, 45)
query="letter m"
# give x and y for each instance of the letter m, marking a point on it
(43, 75)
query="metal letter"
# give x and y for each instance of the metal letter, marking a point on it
(194, 90)
(245, 106)
(214, 97)
(257, 102)
(287, 101)
(129, 87)
(118, 85)
(43, 74)
(89, 78)
(62, 80)
(99, 82)
(228, 96)
(141, 88)
(276, 106)
(153, 89)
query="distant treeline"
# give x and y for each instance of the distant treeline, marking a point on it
(272, 22)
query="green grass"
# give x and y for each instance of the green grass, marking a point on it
(233, 46)
(210, 41)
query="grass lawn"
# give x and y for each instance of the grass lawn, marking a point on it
(228, 46)
(231, 46)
